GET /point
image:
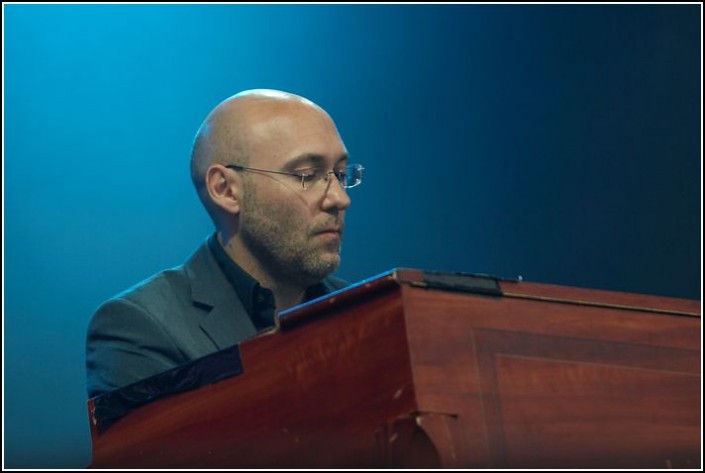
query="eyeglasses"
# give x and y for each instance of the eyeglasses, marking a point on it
(349, 177)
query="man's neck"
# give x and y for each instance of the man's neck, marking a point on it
(285, 295)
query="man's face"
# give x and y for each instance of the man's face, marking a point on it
(294, 233)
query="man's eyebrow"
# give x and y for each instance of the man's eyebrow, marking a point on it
(313, 160)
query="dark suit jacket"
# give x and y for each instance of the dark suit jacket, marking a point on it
(175, 316)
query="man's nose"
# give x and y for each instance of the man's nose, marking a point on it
(336, 196)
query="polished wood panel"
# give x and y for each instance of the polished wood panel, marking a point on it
(537, 384)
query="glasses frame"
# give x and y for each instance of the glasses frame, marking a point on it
(303, 174)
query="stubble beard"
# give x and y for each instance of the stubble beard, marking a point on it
(285, 247)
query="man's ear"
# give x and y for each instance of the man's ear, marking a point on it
(224, 187)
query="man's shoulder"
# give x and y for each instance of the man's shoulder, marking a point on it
(161, 291)
(172, 280)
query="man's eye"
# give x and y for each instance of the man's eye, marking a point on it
(308, 175)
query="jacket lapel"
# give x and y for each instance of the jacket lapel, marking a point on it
(226, 321)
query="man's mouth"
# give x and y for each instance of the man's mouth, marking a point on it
(337, 230)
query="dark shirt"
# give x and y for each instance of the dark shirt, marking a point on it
(257, 300)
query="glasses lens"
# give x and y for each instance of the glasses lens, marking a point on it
(350, 177)
(353, 176)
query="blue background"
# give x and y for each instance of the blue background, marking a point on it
(556, 142)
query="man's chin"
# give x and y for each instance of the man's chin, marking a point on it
(326, 265)
(332, 262)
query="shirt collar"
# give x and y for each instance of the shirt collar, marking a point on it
(248, 289)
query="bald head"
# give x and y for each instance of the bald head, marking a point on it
(224, 134)
(230, 129)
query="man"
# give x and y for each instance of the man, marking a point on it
(271, 170)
